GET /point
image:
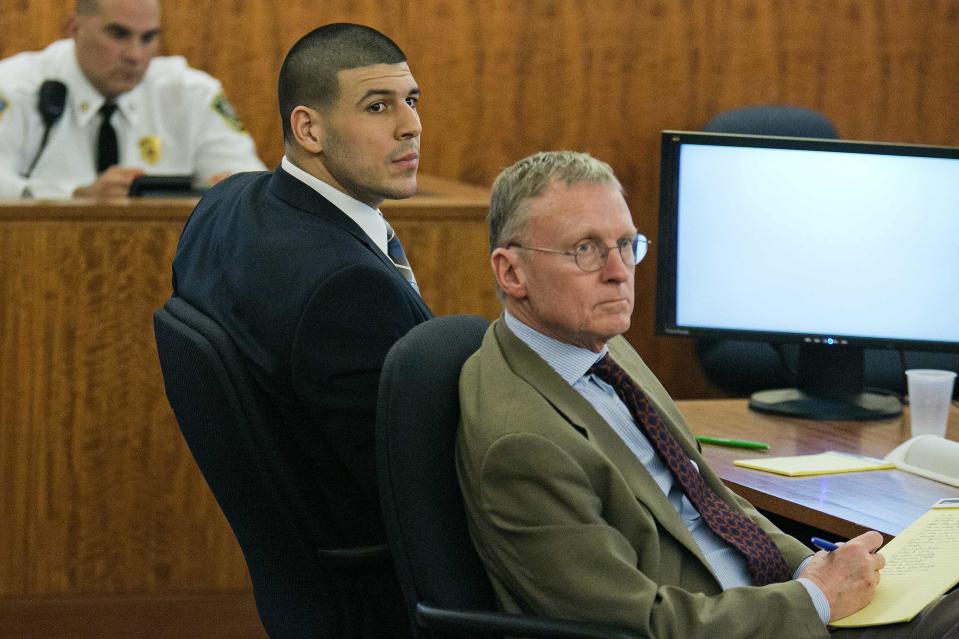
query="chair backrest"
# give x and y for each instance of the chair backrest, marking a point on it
(222, 417)
(417, 417)
(773, 119)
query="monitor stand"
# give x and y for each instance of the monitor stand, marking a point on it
(829, 388)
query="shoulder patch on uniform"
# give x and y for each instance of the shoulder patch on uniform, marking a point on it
(225, 110)
(4, 103)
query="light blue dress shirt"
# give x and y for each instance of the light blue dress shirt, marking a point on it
(572, 363)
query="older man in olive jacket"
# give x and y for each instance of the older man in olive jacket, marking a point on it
(586, 495)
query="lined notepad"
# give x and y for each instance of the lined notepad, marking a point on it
(922, 563)
(820, 464)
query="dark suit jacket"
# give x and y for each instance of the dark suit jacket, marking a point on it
(570, 524)
(313, 306)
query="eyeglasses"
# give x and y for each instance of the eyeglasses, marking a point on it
(591, 256)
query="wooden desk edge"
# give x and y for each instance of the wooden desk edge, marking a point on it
(440, 199)
(801, 513)
(435, 193)
(731, 418)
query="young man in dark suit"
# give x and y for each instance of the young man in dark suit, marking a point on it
(295, 265)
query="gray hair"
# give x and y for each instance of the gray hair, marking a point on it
(528, 178)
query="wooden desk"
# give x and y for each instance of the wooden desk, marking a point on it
(845, 505)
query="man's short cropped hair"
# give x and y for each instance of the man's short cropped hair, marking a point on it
(308, 75)
(528, 178)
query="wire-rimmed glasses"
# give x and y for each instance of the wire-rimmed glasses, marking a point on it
(591, 256)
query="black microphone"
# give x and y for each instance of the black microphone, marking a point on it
(51, 101)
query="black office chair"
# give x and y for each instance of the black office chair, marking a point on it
(773, 119)
(446, 588)
(300, 585)
(743, 367)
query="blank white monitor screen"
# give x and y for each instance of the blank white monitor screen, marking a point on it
(801, 241)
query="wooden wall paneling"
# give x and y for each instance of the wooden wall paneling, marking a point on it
(101, 494)
(26, 25)
(104, 496)
(500, 79)
(934, 78)
(503, 79)
(920, 72)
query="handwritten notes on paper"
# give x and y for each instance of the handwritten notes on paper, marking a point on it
(922, 563)
(821, 464)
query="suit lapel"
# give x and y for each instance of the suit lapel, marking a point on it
(299, 195)
(624, 354)
(584, 418)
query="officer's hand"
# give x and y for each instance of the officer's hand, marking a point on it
(114, 182)
(848, 576)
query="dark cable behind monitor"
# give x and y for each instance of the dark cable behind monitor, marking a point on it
(789, 370)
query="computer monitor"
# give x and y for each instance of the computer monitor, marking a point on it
(833, 245)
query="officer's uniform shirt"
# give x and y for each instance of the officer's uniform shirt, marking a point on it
(176, 121)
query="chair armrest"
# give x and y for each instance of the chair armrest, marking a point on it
(354, 557)
(500, 623)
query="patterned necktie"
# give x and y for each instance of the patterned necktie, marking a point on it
(764, 559)
(107, 152)
(398, 256)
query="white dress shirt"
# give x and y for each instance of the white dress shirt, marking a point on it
(176, 121)
(366, 217)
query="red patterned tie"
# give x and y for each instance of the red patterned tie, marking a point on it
(764, 559)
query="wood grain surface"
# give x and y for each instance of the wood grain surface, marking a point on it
(100, 493)
(503, 79)
(845, 504)
(97, 500)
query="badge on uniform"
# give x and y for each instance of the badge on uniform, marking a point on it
(151, 148)
(225, 110)
(4, 103)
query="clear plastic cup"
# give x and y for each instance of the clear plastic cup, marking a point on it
(930, 393)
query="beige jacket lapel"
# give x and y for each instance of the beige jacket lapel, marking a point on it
(573, 408)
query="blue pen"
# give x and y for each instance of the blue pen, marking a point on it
(828, 546)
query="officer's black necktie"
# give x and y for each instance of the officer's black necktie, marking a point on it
(107, 152)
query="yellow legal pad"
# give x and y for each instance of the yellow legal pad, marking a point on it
(922, 563)
(820, 464)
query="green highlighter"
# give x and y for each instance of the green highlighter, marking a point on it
(735, 443)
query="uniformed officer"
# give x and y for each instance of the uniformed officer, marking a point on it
(86, 115)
